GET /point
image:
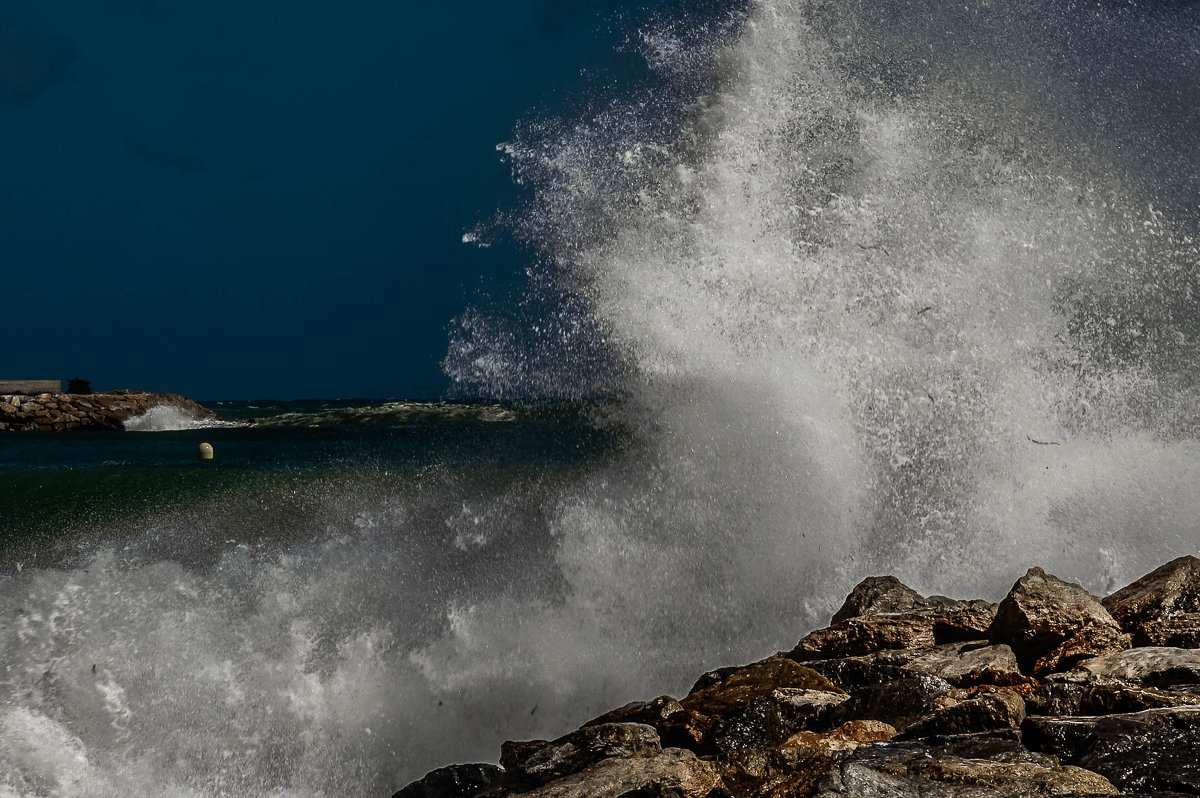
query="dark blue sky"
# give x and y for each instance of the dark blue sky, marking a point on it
(231, 199)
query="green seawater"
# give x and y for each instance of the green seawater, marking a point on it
(276, 465)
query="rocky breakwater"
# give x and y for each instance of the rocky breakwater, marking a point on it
(92, 411)
(1053, 691)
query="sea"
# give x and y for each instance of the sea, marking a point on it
(840, 289)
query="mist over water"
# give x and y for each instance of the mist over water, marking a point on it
(871, 290)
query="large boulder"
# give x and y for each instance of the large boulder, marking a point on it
(1157, 749)
(1151, 666)
(1163, 607)
(1052, 624)
(879, 595)
(971, 766)
(1077, 693)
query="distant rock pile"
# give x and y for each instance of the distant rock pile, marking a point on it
(92, 411)
(1052, 692)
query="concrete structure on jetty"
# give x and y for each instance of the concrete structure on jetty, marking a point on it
(61, 412)
(1053, 691)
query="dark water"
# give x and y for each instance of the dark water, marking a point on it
(59, 493)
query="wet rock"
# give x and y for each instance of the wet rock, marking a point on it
(992, 711)
(515, 752)
(900, 703)
(879, 595)
(771, 719)
(672, 773)
(1153, 750)
(1181, 630)
(1093, 696)
(456, 781)
(961, 664)
(1051, 624)
(580, 749)
(652, 712)
(1167, 591)
(935, 621)
(794, 767)
(849, 673)
(1153, 667)
(734, 690)
(978, 766)
(985, 665)
(688, 729)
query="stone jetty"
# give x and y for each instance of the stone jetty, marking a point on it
(1053, 691)
(60, 412)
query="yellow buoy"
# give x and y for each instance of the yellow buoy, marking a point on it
(204, 451)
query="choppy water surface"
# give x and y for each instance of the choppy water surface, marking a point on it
(888, 287)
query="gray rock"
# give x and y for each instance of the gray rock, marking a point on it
(455, 781)
(1157, 749)
(1152, 666)
(673, 773)
(1167, 591)
(970, 766)
(581, 749)
(878, 595)
(936, 622)
(1051, 624)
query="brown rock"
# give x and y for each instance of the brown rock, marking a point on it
(1051, 624)
(1163, 607)
(672, 773)
(1180, 630)
(581, 749)
(1158, 749)
(795, 766)
(979, 766)
(879, 595)
(847, 737)
(900, 703)
(1093, 696)
(736, 689)
(1154, 667)
(992, 711)
(688, 729)
(771, 719)
(514, 752)
(652, 712)
(985, 665)
(937, 621)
